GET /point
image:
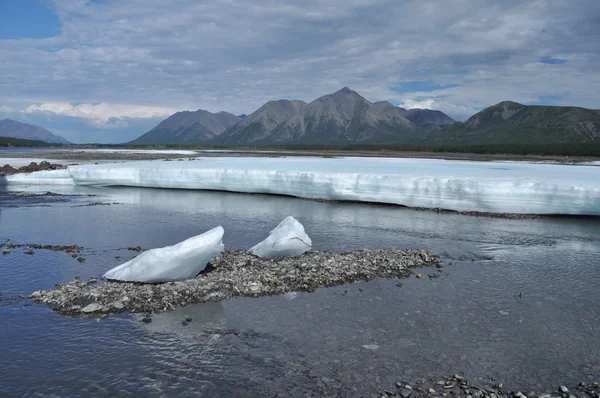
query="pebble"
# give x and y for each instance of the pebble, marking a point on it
(93, 307)
(450, 389)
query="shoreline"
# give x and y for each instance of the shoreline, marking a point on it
(82, 155)
(234, 274)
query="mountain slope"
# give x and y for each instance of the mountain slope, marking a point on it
(188, 127)
(511, 122)
(14, 129)
(429, 119)
(344, 116)
(258, 125)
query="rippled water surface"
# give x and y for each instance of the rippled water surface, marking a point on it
(518, 300)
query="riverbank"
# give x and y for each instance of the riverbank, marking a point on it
(234, 274)
(84, 156)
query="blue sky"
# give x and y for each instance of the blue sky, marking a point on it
(27, 19)
(108, 71)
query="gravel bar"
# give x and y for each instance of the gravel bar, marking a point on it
(234, 274)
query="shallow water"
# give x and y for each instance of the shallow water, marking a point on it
(471, 320)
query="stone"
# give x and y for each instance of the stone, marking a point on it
(5, 251)
(405, 392)
(93, 307)
(563, 390)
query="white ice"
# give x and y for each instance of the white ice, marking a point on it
(171, 263)
(45, 177)
(288, 239)
(454, 185)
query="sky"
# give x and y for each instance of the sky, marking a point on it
(110, 70)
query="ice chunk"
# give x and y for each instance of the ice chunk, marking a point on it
(288, 239)
(172, 263)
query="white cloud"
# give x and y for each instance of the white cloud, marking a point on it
(412, 104)
(457, 112)
(101, 115)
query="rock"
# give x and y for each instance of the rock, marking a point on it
(405, 392)
(30, 252)
(563, 390)
(80, 259)
(93, 307)
(147, 319)
(5, 251)
(188, 319)
(117, 305)
(431, 391)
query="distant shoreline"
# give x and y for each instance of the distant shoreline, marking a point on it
(81, 155)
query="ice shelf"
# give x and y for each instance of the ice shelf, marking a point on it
(493, 187)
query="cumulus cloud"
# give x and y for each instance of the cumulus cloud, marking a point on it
(235, 55)
(102, 115)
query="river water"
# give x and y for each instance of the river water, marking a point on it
(518, 301)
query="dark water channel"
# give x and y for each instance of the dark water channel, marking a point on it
(519, 300)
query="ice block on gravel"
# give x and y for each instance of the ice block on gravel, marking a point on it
(171, 263)
(288, 239)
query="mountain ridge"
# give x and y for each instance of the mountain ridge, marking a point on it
(191, 127)
(515, 123)
(14, 129)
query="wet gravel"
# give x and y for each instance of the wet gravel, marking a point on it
(234, 274)
(458, 386)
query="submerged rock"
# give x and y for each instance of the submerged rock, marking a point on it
(234, 274)
(288, 239)
(171, 263)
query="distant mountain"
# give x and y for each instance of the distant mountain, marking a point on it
(243, 116)
(345, 116)
(14, 129)
(511, 122)
(427, 119)
(188, 128)
(258, 125)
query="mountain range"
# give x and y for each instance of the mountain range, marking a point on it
(14, 129)
(343, 116)
(346, 117)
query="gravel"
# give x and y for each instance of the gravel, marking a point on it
(234, 274)
(457, 386)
